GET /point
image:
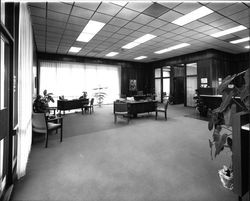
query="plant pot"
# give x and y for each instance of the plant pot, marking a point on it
(227, 181)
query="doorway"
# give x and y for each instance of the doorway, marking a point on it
(178, 89)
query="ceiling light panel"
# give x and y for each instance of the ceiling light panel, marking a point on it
(229, 31)
(75, 49)
(111, 54)
(140, 58)
(192, 16)
(90, 30)
(240, 40)
(139, 41)
(247, 47)
(172, 48)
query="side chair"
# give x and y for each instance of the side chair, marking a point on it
(161, 107)
(42, 124)
(90, 106)
(121, 110)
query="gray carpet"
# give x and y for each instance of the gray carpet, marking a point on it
(145, 160)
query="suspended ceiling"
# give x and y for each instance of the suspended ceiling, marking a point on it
(57, 25)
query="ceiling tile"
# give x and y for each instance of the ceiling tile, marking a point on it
(81, 12)
(37, 4)
(127, 14)
(38, 20)
(211, 18)
(60, 7)
(169, 4)
(39, 12)
(78, 21)
(146, 29)
(170, 16)
(125, 31)
(157, 23)
(101, 17)
(169, 27)
(58, 16)
(89, 5)
(51, 22)
(56, 30)
(143, 19)
(188, 7)
(193, 25)
(110, 28)
(235, 8)
(74, 27)
(108, 8)
(218, 6)
(155, 10)
(118, 22)
(139, 7)
(133, 25)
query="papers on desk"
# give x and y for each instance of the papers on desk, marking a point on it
(246, 127)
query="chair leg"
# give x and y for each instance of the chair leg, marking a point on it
(46, 139)
(115, 118)
(156, 113)
(165, 115)
(61, 134)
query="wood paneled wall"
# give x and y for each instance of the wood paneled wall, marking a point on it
(211, 64)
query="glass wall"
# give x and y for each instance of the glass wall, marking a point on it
(166, 82)
(191, 83)
(158, 84)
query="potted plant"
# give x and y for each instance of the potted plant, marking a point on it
(221, 118)
(100, 95)
(41, 103)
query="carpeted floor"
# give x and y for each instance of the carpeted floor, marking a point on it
(145, 160)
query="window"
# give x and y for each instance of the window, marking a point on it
(71, 79)
(191, 83)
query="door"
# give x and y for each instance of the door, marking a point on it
(178, 93)
(4, 112)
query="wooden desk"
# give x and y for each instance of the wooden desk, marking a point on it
(63, 105)
(143, 106)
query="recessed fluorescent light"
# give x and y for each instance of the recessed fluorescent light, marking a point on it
(111, 54)
(120, 3)
(75, 49)
(140, 58)
(247, 47)
(172, 48)
(90, 30)
(229, 31)
(240, 40)
(194, 15)
(130, 45)
(139, 41)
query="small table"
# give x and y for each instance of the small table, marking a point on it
(54, 109)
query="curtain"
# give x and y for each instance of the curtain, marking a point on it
(25, 61)
(70, 79)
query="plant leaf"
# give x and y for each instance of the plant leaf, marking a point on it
(247, 77)
(230, 142)
(226, 100)
(211, 148)
(225, 82)
(219, 143)
(228, 114)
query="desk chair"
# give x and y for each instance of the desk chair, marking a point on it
(121, 110)
(90, 106)
(41, 124)
(161, 107)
